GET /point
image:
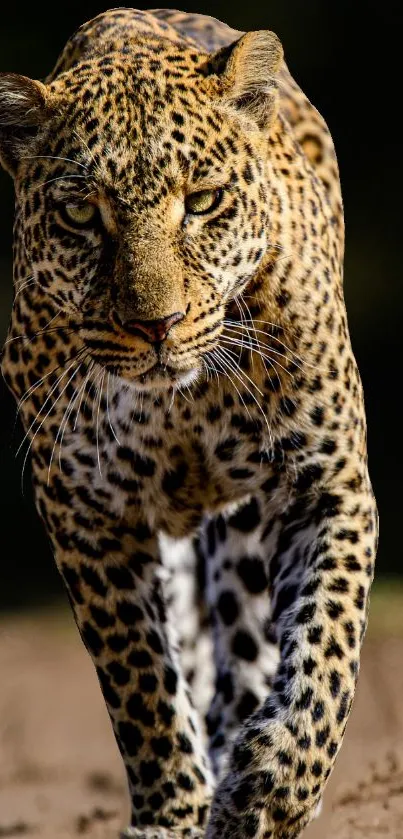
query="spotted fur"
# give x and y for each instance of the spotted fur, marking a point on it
(190, 377)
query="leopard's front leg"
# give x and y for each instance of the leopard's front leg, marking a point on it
(113, 575)
(320, 575)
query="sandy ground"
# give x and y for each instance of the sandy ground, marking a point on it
(61, 777)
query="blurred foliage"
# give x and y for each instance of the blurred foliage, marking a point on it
(345, 56)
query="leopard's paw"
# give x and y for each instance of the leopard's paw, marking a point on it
(157, 832)
(252, 804)
(274, 786)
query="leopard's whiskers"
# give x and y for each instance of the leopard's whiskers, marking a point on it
(207, 368)
(58, 380)
(91, 386)
(245, 320)
(25, 284)
(262, 355)
(53, 404)
(64, 177)
(179, 389)
(232, 324)
(170, 406)
(230, 355)
(54, 157)
(141, 396)
(30, 338)
(227, 353)
(108, 414)
(189, 389)
(82, 391)
(97, 420)
(225, 367)
(297, 359)
(35, 335)
(242, 314)
(262, 350)
(60, 431)
(211, 368)
(35, 386)
(70, 411)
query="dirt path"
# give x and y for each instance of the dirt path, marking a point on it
(61, 777)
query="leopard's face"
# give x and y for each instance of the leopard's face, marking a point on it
(144, 198)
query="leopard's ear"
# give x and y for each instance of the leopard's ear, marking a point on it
(23, 109)
(247, 70)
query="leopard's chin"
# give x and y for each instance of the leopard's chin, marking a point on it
(161, 377)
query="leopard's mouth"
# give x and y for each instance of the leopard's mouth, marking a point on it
(160, 366)
(162, 377)
(158, 375)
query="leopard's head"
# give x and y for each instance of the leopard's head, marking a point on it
(142, 182)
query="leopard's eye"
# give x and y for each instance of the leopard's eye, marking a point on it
(79, 215)
(198, 203)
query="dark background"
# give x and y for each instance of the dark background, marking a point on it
(346, 55)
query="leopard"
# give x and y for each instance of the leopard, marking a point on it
(192, 410)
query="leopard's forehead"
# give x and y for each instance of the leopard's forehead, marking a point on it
(140, 71)
(153, 102)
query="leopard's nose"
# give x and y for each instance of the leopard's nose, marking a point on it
(152, 331)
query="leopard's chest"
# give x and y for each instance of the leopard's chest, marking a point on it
(175, 465)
